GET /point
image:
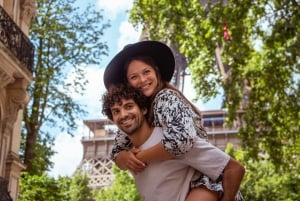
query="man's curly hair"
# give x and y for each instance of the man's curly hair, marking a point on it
(118, 92)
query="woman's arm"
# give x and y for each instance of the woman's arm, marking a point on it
(155, 153)
(121, 143)
(122, 155)
(176, 117)
(126, 160)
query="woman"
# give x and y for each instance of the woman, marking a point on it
(149, 66)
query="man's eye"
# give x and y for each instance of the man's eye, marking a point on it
(114, 112)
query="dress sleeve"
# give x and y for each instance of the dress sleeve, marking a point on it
(121, 143)
(176, 118)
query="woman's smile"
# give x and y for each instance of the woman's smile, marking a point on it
(142, 76)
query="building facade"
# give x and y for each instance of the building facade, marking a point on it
(16, 65)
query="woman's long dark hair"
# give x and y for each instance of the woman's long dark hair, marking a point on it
(162, 84)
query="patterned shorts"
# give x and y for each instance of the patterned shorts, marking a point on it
(214, 186)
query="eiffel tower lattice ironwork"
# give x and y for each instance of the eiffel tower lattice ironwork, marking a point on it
(96, 161)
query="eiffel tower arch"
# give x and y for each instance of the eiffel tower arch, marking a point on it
(96, 161)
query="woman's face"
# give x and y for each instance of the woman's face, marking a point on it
(142, 76)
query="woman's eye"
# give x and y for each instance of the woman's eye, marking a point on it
(133, 77)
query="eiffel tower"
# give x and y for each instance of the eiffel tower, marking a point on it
(96, 161)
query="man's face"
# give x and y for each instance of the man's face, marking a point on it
(127, 115)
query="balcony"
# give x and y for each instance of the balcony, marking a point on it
(12, 37)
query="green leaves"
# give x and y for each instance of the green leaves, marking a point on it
(39, 188)
(261, 61)
(123, 188)
(262, 69)
(46, 188)
(66, 38)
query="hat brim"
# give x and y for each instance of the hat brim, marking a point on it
(161, 53)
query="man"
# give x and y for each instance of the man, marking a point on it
(160, 181)
(163, 180)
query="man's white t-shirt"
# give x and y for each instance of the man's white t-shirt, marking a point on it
(167, 180)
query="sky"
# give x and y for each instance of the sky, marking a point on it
(69, 149)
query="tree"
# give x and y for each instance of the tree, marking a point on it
(261, 56)
(45, 188)
(66, 38)
(123, 188)
(78, 189)
(41, 188)
(260, 44)
(262, 182)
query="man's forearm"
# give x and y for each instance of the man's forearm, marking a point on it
(232, 177)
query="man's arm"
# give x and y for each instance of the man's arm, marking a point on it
(232, 178)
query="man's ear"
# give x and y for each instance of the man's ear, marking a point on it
(144, 111)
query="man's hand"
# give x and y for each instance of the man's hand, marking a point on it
(126, 160)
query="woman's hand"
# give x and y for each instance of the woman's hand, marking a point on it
(126, 160)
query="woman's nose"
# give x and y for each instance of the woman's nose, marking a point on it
(142, 78)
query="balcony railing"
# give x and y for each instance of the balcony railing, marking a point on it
(15, 40)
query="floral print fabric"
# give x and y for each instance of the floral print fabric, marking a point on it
(179, 122)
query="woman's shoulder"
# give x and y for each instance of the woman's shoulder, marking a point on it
(169, 96)
(167, 92)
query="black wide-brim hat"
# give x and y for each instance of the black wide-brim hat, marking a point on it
(161, 53)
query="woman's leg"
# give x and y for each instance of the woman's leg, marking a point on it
(202, 194)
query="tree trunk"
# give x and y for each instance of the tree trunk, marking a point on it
(31, 139)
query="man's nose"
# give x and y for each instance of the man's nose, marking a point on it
(123, 113)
